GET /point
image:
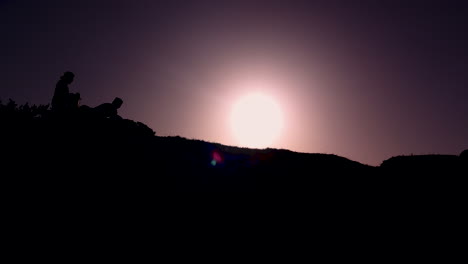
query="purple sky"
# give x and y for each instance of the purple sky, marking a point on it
(363, 81)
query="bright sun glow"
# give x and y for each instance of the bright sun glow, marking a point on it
(256, 121)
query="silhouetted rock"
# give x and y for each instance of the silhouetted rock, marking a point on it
(464, 155)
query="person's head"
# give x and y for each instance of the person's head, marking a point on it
(117, 102)
(68, 77)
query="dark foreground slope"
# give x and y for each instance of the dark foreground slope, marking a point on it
(83, 153)
(208, 166)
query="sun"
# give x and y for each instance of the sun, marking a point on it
(256, 121)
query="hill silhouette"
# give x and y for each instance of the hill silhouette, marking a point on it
(70, 148)
(45, 149)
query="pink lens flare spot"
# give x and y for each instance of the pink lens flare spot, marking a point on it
(216, 158)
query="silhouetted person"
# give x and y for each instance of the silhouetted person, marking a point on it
(109, 110)
(63, 100)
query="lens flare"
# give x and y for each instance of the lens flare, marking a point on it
(216, 158)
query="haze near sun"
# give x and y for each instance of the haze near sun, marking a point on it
(256, 121)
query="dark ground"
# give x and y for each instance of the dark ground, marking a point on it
(45, 152)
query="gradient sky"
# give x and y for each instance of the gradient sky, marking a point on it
(365, 81)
